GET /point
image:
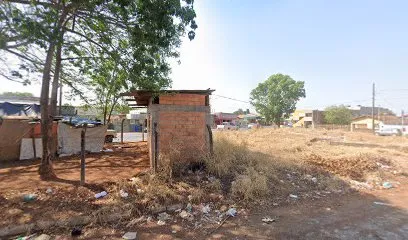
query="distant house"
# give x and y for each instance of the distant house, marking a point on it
(366, 122)
(306, 117)
(220, 117)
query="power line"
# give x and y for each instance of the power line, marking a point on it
(231, 98)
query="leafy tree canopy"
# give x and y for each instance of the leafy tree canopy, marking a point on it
(240, 111)
(276, 98)
(340, 115)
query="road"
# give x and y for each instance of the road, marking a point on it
(130, 137)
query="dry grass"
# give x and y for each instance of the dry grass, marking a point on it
(263, 162)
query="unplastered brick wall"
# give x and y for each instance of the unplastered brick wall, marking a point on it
(182, 99)
(183, 134)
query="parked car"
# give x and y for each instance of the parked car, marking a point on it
(251, 125)
(110, 135)
(227, 126)
(388, 132)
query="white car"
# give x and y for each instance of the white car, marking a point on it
(388, 132)
(227, 126)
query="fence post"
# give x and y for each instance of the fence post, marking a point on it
(82, 182)
(143, 127)
(121, 131)
(33, 142)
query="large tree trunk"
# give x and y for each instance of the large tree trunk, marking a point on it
(46, 169)
(53, 106)
(55, 82)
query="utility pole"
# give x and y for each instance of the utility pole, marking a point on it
(402, 117)
(372, 112)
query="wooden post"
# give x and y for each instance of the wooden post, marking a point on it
(156, 147)
(121, 132)
(83, 154)
(33, 139)
(211, 140)
(143, 126)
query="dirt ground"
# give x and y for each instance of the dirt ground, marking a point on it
(337, 178)
(67, 197)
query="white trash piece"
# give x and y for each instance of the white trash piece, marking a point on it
(293, 196)
(130, 235)
(101, 194)
(123, 194)
(232, 212)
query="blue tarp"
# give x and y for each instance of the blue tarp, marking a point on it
(18, 109)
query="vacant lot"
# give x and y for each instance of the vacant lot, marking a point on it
(329, 184)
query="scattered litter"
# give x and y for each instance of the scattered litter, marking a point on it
(49, 191)
(174, 231)
(29, 197)
(76, 232)
(383, 166)
(190, 197)
(107, 150)
(232, 212)
(382, 203)
(189, 207)
(130, 235)
(358, 184)
(161, 223)
(387, 185)
(211, 179)
(101, 194)
(43, 237)
(135, 179)
(293, 196)
(314, 179)
(268, 220)
(275, 204)
(26, 237)
(149, 219)
(139, 191)
(164, 216)
(186, 215)
(123, 194)
(206, 209)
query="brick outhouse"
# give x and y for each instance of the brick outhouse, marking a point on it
(178, 124)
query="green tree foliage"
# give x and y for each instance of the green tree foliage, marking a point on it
(64, 38)
(276, 98)
(239, 111)
(340, 115)
(19, 94)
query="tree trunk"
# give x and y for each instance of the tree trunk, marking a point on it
(53, 106)
(115, 100)
(46, 169)
(55, 82)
